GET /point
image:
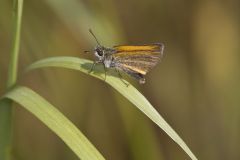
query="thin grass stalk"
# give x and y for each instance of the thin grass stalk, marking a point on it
(6, 105)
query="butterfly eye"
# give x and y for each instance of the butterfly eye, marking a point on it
(100, 53)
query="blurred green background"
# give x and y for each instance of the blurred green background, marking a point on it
(195, 88)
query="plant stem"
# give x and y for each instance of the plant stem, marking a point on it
(17, 14)
(6, 105)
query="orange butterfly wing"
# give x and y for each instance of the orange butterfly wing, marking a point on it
(138, 58)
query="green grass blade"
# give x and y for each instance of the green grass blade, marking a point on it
(56, 121)
(5, 129)
(131, 93)
(6, 105)
(17, 18)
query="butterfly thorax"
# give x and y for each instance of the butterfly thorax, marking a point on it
(104, 55)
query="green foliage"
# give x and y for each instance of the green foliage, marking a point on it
(5, 105)
(129, 92)
(55, 121)
(49, 115)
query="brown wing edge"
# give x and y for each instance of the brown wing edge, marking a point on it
(136, 75)
(161, 49)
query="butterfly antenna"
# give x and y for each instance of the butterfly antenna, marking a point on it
(94, 36)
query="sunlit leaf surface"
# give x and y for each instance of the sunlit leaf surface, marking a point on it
(130, 92)
(56, 121)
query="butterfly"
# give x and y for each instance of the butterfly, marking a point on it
(135, 60)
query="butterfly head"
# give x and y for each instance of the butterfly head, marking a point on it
(99, 52)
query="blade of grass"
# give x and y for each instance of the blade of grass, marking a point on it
(56, 121)
(131, 93)
(139, 132)
(6, 106)
(17, 14)
(5, 129)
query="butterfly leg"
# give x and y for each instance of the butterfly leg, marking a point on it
(120, 76)
(93, 66)
(105, 70)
